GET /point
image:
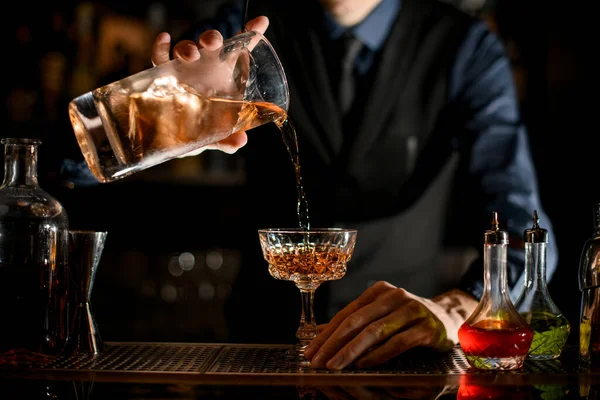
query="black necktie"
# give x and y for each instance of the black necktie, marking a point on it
(351, 48)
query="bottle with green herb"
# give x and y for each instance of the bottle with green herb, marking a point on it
(550, 327)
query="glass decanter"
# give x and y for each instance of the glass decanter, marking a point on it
(550, 327)
(495, 336)
(34, 307)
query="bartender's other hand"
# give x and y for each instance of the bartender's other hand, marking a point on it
(386, 321)
(189, 51)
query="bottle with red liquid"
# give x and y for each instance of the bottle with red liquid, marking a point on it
(495, 336)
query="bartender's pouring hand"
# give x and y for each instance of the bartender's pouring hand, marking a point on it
(386, 321)
(189, 51)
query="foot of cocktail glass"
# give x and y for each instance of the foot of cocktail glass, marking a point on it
(307, 330)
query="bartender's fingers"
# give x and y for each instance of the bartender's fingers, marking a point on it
(232, 143)
(210, 40)
(367, 297)
(426, 332)
(190, 51)
(229, 145)
(161, 48)
(364, 329)
(187, 50)
(258, 24)
(355, 345)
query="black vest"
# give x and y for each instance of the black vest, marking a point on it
(391, 174)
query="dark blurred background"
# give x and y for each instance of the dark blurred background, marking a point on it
(171, 257)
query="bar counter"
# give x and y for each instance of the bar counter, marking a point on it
(127, 370)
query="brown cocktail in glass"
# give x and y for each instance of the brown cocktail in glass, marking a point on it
(307, 258)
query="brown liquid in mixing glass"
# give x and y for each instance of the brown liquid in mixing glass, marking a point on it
(168, 120)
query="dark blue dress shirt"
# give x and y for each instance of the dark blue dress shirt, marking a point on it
(481, 79)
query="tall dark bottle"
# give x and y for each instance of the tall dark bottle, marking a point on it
(34, 307)
(589, 284)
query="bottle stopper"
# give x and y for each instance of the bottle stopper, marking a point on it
(495, 235)
(536, 234)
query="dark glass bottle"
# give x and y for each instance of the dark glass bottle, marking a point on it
(34, 307)
(589, 284)
(495, 336)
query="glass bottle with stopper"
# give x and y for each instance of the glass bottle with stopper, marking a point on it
(495, 336)
(550, 327)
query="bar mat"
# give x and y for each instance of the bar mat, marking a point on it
(141, 357)
(224, 359)
(265, 360)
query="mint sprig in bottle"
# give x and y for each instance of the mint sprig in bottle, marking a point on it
(550, 327)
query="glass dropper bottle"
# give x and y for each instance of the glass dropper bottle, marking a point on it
(550, 327)
(495, 336)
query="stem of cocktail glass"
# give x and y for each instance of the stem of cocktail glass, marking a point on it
(308, 327)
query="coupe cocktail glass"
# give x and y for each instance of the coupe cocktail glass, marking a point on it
(307, 258)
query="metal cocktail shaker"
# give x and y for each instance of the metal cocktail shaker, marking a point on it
(589, 284)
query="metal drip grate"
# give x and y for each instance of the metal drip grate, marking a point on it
(265, 360)
(270, 360)
(226, 359)
(142, 357)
